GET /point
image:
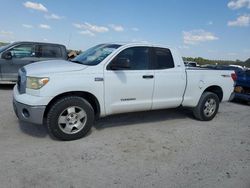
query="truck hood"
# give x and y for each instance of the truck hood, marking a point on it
(52, 66)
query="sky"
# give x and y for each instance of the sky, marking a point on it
(214, 29)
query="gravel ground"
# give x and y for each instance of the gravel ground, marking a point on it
(166, 148)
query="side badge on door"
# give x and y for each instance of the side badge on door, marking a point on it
(128, 99)
(98, 79)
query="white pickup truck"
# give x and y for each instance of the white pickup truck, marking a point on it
(115, 78)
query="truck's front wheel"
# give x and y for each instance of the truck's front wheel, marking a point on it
(207, 107)
(70, 118)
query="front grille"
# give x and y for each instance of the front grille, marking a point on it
(21, 81)
(246, 90)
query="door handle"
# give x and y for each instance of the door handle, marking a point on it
(148, 76)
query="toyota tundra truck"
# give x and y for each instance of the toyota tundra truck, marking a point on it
(115, 78)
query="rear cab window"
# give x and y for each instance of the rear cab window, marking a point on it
(48, 51)
(163, 58)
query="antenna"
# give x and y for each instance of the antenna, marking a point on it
(70, 36)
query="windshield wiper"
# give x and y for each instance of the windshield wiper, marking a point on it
(75, 61)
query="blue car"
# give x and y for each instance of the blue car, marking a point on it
(242, 86)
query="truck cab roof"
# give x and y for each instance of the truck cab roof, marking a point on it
(30, 42)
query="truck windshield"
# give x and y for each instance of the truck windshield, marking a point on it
(2, 48)
(95, 55)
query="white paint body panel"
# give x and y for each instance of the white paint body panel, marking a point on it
(199, 80)
(169, 88)
(170, 84)
(122, 85)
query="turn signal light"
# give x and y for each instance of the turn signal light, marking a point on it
(234, 76)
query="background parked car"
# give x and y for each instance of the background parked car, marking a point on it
(18, 54)
(191, 64)
(236, 69)
(242, 83)
(224, 67)
(242, 86)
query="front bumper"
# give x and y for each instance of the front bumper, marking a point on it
(32, 114)
(242, 96)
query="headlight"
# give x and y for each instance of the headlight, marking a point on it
(35, 82)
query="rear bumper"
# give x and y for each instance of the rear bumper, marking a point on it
(32, 114)
(244, 97)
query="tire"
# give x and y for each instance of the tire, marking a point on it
(207, 107)
(70, 118)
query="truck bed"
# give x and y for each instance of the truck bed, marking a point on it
(199, 79)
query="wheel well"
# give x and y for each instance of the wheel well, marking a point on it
(87, 96)
(216, 90)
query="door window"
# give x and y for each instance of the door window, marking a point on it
(48, 51)
(163, 59)
(22, 51)
(138, 58)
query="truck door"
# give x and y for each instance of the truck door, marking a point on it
(129, 87)
(16, 58)
(170, 80)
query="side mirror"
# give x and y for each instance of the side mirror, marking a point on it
(120, 64)
(7, 55)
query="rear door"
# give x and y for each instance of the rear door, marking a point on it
(169, 80)
(22, 55)
(131, 89)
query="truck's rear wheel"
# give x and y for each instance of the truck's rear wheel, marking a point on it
(207, 107)
(70, 118)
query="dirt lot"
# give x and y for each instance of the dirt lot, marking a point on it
(165, 148)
